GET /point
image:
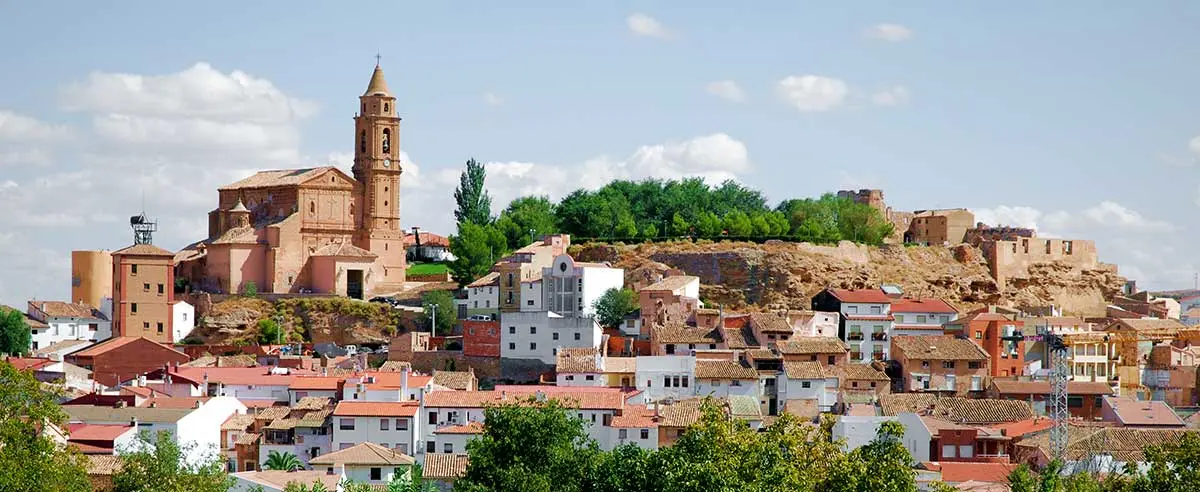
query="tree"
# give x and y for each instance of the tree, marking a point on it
(530, 445)
(759, 225)
(269, 332)
(612, 306)
(413, 481)
(282, 461)
(474, 204)
(159, 463)
(625, 228)
(250, 289)
(679, 226)
(15, 336)
(447, 316)
(650, 231)
(29, 459)
(708, 225)
(737, 224)
(525, 219)
(299, 487)
(476, 249)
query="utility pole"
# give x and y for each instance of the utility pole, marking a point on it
(433, 325)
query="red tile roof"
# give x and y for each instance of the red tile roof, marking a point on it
(634, 417)
(470, 428)
(96, 432)
(427, 239)
(1143, 413)
(376, 409)
(574, 397)
(927, 305)
(1009, 387)
(315, 383)
(955, 472)
(867, 296)
(59, 309)
(116, 343)
(1022, 427)
(28, 363)
(241, 375)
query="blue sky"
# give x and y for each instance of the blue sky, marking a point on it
(1072, 116)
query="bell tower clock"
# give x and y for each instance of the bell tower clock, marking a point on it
(377, 170)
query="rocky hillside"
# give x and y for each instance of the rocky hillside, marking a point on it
(786, 275)
(316, 319)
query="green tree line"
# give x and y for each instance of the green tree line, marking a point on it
(651, 209)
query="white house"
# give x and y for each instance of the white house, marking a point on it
(661, 377)
(866, 318)
(808, 382)
(858, 431)
(637, 424)
(483, 297)
(570, 287)
(199, 428)
(393, 425)
(367, 463)
(183, 320)
(921, 316)
(724, 378)
(56, 321)
(306, 386)
(453, 439)
(539, 335)
(244, 383)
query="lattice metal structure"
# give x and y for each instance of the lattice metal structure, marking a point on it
(1060, 375)
(143, 229)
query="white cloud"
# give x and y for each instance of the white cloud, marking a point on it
(17, 127)
(892, 33)
(727, 90)
(1115, 215)
(1194, 145)
(812, 92)
(30, 157)
(492, 100)
(892, 96)
(643, 25)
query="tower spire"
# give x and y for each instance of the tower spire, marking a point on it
(377, 86)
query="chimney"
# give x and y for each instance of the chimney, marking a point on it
(503, 395)
(133, 422)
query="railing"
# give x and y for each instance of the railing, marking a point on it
(855, 337)
(879, 336)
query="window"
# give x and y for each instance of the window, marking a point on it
(622, 434)
(976, 383)
(872, 384)
(532, 345)
(851, 309)
(448, 447)
(146, 287)
(512, 346)
(577, 336)
(529, 302)
(160, 327)
(385, 107)
(876, 309)
(383, 424)
(735, 383)
(590, 377)
(346, 424)
(966, 451)
(512, 330)
(362, 137)
(533, 330)
(685, 381)
(949, 451)
(832, 359)
(924, 363)
(978, 334)
(160, 289)
(972, 365)
(948, 364)
(376, 473)
(854, 384)
(666, 381)
(570, 378)
(387, 141)
(133, 307)
(430, 447)
(921, 318)
(133, 268)
(805, 384)
(433, 418)
(554, 336)
(94, 326)
(645, 433)
(146, 325)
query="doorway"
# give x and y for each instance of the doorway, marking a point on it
(354, 284)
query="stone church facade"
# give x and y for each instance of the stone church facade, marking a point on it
(313, 230)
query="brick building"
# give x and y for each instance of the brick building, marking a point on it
(143, 292)
(940, 363)
(1084, 399)
(938, 227)
(315, 229)
(124, 358)
(481, 338)
(999, 336)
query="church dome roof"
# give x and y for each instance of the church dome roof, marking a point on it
(378, 86)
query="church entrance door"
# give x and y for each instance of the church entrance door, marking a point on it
(354, 284)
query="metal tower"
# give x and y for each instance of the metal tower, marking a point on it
(143, 229)
(1060, 375)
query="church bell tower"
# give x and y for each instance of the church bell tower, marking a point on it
(377, 170)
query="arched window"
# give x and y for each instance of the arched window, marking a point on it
(385, 107)
(362, 142)
(312, 207)
(387, 141)
(385, 189)
(385, 204)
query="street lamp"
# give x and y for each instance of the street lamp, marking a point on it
(433, 324)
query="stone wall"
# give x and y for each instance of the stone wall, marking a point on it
(430, 277)
(1012, 259)
(493, 370)
(741, 270)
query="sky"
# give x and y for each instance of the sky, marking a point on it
(1081, 119)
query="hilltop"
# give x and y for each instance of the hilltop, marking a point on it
(777, 275)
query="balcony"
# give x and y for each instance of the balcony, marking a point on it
(879, 337)
(877, 356)
(854, 337)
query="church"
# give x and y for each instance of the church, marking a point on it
(315, 230)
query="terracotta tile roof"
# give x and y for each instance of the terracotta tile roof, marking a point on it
(860, 372)
(446, 467)
(634, 417)
(686, 334)
(577, 360)
(1123, 443)
(100, 464)
(980, 316)
(957, 472)
(272, 413)
(315, 383)
(960, 410)
(469, 428)
(343, 250)
(1022, 427)
(672, 284)
(724, 369)
(459, 380)
(1009, 387)
(682, 413)
(28, 363)
(312, 403)
(238, 235)
(620, 365)
(803, 370)
(813, 345)
(367, 453)
(116, 343)
(376, 408)
(276, 177)
(762, 354)
(1150, 326)
(395, 366)
(1143, 413)
(740, 338)
(283, 424)
(492, 278)
(427, 239)
(743, 406)
(256, 405)
(861, 296)
(926, 305)
(96, 413)
(938, 347)
(247, 439)
(573, 397)
(770, 322)
(174, 401)
(97, 432)
(238, 421)
(257, 376)
(59, 309)
(315, 418)
(143, 250)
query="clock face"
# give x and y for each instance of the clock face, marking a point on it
(387, 163)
